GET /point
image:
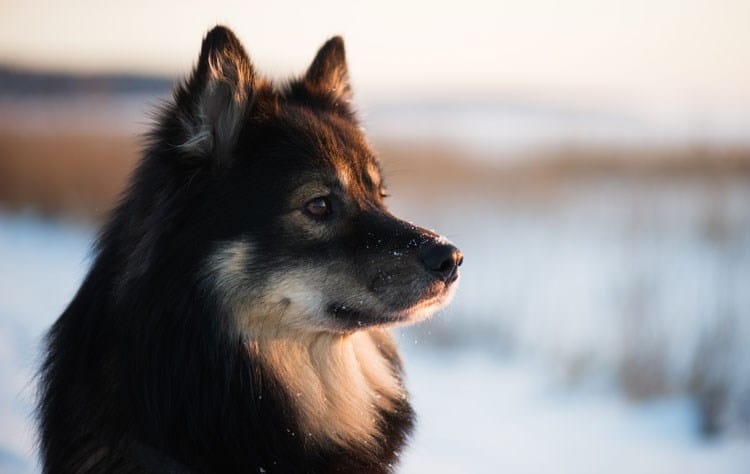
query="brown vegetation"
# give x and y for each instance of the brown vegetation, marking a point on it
(534, 174)
(61, 173)
(81, 175)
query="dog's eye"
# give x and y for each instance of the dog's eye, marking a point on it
(319, 207)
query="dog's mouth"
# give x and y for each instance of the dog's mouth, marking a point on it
(360, 315)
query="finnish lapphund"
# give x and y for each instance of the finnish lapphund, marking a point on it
(235, 317)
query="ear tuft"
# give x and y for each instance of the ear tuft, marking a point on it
(217, 97)
(328, 73)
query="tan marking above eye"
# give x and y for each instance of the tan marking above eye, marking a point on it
(374, 173)
(344, 177)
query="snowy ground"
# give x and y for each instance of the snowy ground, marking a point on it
(479, 411)
(41, 265)
(483, 415)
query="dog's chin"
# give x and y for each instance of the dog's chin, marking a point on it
(350, 318)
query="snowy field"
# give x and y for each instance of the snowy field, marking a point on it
(525, 372)
(481, 414)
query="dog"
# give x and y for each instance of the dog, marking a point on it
(235, 317)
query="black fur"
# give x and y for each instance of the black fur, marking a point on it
(143, 372)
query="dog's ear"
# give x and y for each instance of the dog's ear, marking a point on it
(214, 102)
(328, 76)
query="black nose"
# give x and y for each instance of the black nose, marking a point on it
(441, 259)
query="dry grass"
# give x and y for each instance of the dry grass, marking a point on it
(78, 174)
(542, 174)
(60, 173)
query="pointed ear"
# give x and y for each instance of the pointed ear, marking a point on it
(214, 103)
(328, 74)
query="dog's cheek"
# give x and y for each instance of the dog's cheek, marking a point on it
(226, 271)
(293, 300)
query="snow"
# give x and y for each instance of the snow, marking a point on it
(482, 414)
(525, 124)
(607, 279)
(41, 265)
(479, 409)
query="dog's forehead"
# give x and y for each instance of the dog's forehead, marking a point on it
(356, 170)
(338, 148)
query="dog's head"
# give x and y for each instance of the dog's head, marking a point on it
(291, 202)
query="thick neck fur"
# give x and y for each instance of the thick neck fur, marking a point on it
(326, 403)
(152, 364)
(340, 384)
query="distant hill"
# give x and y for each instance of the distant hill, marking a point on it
(22, 82)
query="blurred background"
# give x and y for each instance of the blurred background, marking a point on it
(591, 159)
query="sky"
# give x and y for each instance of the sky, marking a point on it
(683, 53)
